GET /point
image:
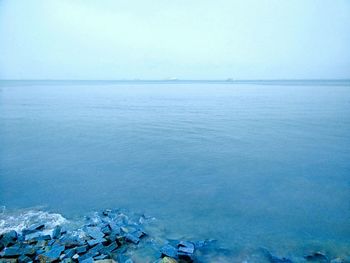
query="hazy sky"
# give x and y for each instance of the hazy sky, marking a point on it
(188, 39)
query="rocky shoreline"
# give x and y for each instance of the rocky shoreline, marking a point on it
(106, 237)
(112, 236)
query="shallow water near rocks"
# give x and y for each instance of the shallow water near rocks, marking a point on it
(247, 164)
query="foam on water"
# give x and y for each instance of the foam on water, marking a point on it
(20, 220)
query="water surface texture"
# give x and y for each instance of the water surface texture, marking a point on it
(250, 165)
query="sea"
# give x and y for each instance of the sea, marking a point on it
(250, 164)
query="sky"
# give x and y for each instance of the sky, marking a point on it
(186, 39)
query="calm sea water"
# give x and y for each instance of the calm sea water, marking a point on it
(250, 165)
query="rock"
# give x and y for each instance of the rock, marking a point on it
(316, 256)
(337, 260)
(88, 260)
(56, 233)
(81, 249)
(168, 260)
(53, 254)
(132, 239)
(13, 251)
(24, 259)
(29, 250)
(94, 232)
(8, 260)
(75, 257)
(106, 212)
(101, 257)
(69, 253)
(33, 228)
(87, 256)
(169, 251)
(9, 238)
(93, 242)
(186, 247)
(109, 249)
(139, 233)
(98, 248)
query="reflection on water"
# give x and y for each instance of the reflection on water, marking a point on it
(250, 165)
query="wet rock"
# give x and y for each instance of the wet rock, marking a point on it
(132, 239)
(120, 258)
(109, 249)
(316, 256)
(8, 260)
(53, 254)
(56, 233)
(69, 253)
(337, 260)
(81, 249)
(169, 251)
(88, 260)
(93, 242)
(24, 259)
(186, 247)
(94, 232)
(33, 228)
(9, 238)
(101, 257)
(13, 251)
(29, 250)
(106, 230)
(87, 256)
(106, 212)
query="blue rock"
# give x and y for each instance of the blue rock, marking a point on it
(132, 239)
(94, 232)
(54, 253)
(24, 259)
(98, 248)
(81, 249)
(69, 253)
(9, 238)
(169, 251)
(29, 250)
(93, 242)
(106, 230)
(87, 256)
(56, 233)
(114, 227)
(186, 247)
(12, 251)
(109, 249)
(33, 228)
(139, 233)
(101, 257)
(71, 241)
(88, 260)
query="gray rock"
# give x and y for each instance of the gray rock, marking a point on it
(101, 257)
